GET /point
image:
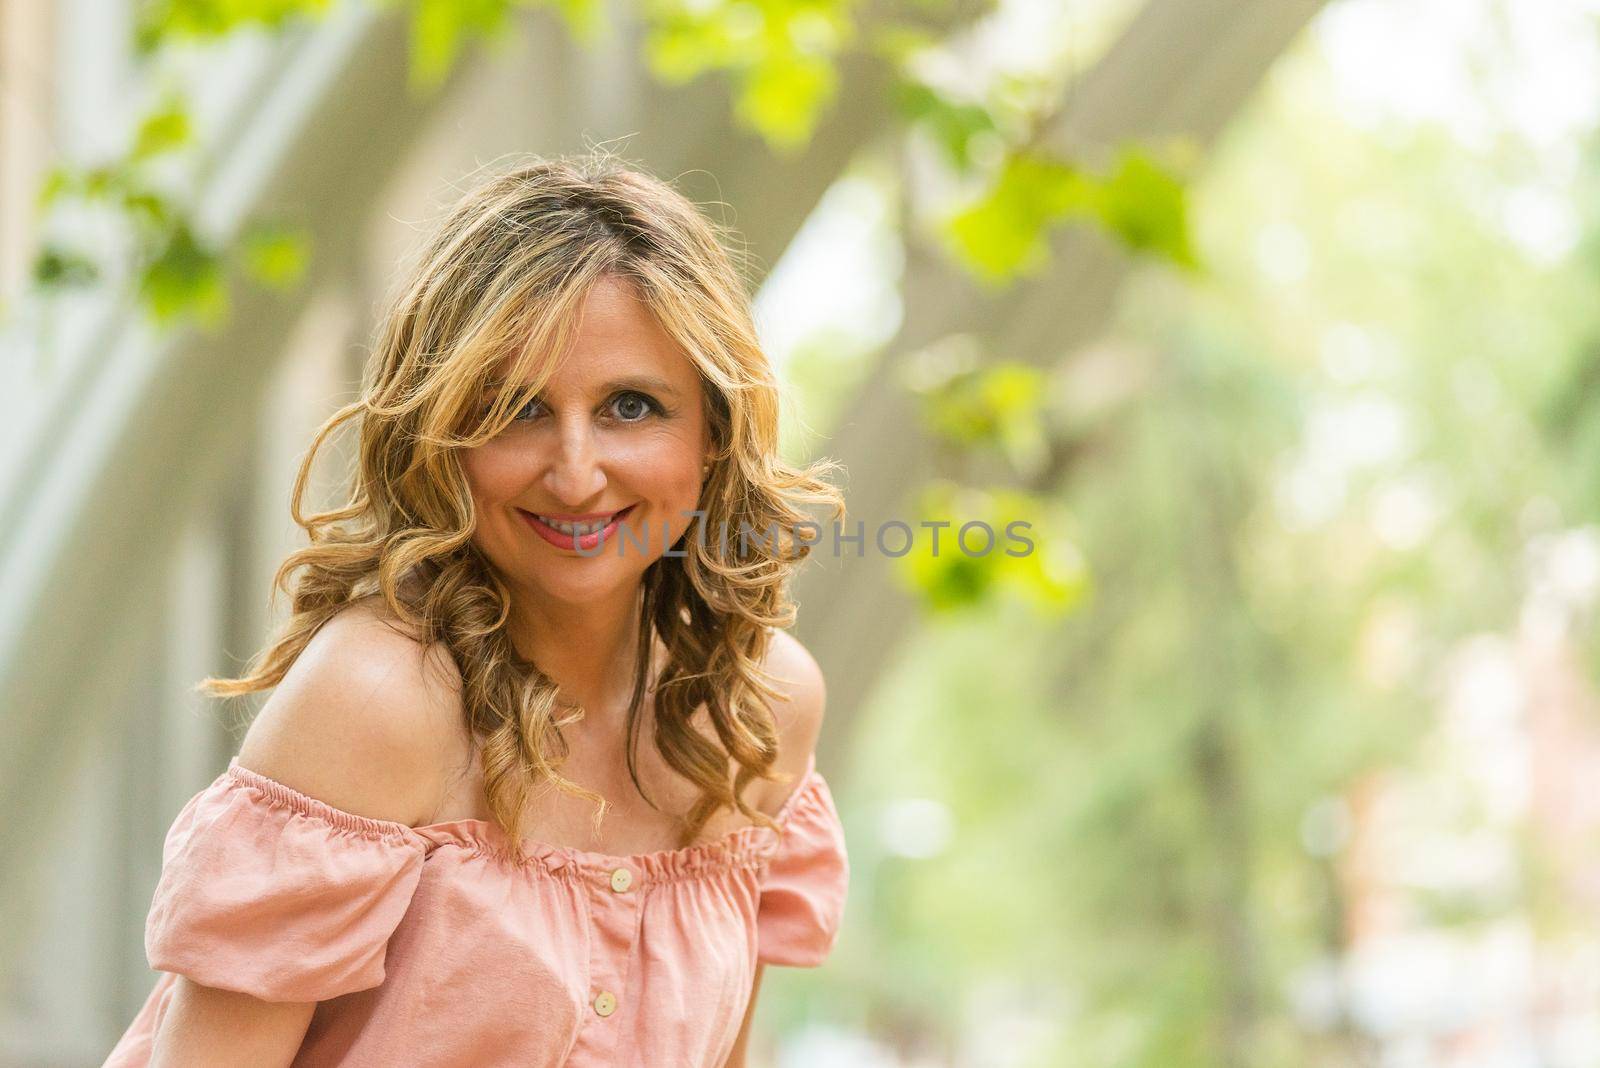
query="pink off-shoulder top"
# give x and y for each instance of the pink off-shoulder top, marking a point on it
(431, 946)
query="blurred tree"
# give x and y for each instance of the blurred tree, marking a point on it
(1323, 475)
(781, 56)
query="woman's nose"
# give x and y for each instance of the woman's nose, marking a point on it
(575, 476)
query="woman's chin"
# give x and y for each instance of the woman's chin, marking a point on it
(580, 581)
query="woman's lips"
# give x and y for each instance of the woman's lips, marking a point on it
(569, 541)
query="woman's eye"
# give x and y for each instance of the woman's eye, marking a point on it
(629, 406)
(637, 403)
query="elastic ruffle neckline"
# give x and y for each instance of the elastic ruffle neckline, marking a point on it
(744, 846)
(741, 847)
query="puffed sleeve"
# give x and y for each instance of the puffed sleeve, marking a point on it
(271, 892)
(807, 880)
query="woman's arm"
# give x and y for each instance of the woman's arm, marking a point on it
(204, 1026)
(736, 1058)
(358, 723)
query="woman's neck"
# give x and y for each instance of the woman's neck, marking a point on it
(590, 651)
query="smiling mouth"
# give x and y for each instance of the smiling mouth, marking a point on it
(577, 535)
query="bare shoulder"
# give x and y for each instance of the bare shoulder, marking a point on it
(368, 720)
(796, 674)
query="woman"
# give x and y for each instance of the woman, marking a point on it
(397, 868)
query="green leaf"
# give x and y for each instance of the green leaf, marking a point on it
(61, 268)
(276, 256)
(1051, 575)
(164, 21)
(1002, 235)
(1146, 206)
(676, 52)
(58, 182)
(780, 55)
(162, 131)
(682, 44)
(998, 406)
(149, 207)
(783, 98)
(1038, 563)
(954, 125)
(185, 278)
(441, 28)
(103, 181)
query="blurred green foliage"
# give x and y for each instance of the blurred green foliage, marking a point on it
(185, 277)
(970, 547)
(781, 58)
(178, 274)
(999, 406)
(1141, 870)
(161, 22)
(1002, 236)
(276, 256)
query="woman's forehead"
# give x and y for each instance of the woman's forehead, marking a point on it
(644, 381)
(599, 369)
(612, 346)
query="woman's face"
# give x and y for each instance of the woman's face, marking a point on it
(620, 425)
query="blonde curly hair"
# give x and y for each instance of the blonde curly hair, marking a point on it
(505, 273)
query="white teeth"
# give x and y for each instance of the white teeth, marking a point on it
(578, 529)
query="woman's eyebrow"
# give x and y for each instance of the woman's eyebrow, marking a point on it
(648, 383)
